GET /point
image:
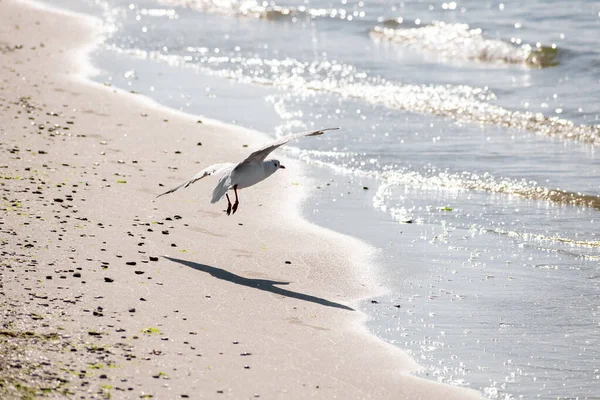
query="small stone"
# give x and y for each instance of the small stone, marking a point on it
(165, 232)
(77, 275)
(139, 272)
(130, 263)
(288, 262)
(132, 310)
(108, 280)
(153, 258)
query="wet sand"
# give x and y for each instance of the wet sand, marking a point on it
(108, 291)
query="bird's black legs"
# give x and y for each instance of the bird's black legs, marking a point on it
(237, 202)
(228, 205)
(233, 209)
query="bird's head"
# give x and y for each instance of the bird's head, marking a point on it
(275, 164)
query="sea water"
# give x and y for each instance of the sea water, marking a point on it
(468, 156)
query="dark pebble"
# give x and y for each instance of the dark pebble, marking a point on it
(77, 274)
(58, 200)
(139, 272)
(288, 262)
(153, 258)
(130, 263)
(165, 232)
(108, 280)
(132, 310)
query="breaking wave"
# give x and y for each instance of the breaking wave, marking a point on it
(261, 10)
(545, 238)
(434, 179)
(460, 102)
(459, 41)
(487, 183)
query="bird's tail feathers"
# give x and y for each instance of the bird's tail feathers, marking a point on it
(221, 188)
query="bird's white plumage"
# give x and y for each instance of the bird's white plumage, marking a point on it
(215, 169)
(262, 153)
(249, 172)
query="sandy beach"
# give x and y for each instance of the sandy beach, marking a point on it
(109, 292)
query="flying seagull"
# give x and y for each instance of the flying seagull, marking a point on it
(246, 173)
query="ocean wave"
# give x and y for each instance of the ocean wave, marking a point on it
(545, 238)
(262, 10)
(459, 41)
(460, 102)
(357, 164)
(487, 183)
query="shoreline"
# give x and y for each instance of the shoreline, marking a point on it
(311, 327)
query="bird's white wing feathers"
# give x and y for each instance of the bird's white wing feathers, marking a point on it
(259, 155)
(217, 169)
(222, 186)
(224, 170)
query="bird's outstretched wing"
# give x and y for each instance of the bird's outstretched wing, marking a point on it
(259, 155)
(216, 169)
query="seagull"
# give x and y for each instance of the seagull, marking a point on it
(246, 173)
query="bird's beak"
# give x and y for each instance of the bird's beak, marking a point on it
(281, 167)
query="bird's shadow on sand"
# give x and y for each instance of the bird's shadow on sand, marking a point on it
(260, 284)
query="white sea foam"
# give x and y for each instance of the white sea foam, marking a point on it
(459, 41)
(459, 102)
(262, 10)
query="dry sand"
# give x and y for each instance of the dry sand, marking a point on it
(108, 291)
